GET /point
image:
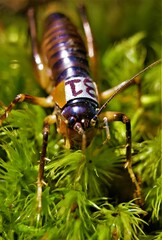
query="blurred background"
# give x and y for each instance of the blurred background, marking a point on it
(111, 20)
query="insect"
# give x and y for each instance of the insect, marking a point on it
(63, 71)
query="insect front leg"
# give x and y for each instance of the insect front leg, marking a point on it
(49, 120)
(117, 116)
(104, 125)
(44, 102)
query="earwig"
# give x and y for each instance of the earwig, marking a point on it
(63, 71)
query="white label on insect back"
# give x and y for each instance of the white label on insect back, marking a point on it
(80, 87)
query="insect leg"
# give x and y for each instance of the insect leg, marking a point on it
(117, 116)
(43, 73)
(106, 127)
(111, 93)
(89, 39)
(34, 42)
(49, 120)
(44, 102)
(121, 87)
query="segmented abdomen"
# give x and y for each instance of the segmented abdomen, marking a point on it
(64, 49)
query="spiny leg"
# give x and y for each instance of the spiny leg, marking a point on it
(111, 93)
(89, 39)
(105, 125)
(49, 120)
(117, 116)
(121, 87)
(44, 102)
(43, 73)
(33, 35)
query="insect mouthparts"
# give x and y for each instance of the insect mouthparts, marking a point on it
(78, 128)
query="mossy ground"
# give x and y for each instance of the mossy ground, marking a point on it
(86, 197)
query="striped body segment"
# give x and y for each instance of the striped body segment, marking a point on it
(65, 54)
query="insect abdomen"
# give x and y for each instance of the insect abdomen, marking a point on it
(65, 54)
(64, 49)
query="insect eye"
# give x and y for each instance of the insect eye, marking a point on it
(71, 121)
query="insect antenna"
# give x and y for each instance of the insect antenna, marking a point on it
(123, 86)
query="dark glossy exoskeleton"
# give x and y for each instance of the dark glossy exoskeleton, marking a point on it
(73, 90)
(63, 71)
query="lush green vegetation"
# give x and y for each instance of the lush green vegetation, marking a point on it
(91, 196)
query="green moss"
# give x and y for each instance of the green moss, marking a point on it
(91, 196)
